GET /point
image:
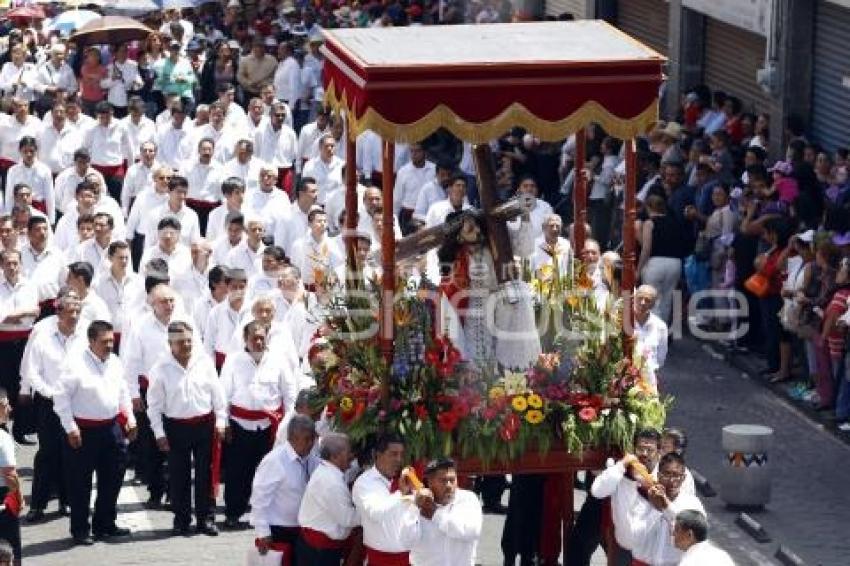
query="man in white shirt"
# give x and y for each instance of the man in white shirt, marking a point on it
(223, 137)
(256, 116)
(228, 241)
(224, 317)
(109, 145)
(370, 157)
(551, 248)
(450, 519)
(77, 119)
(433, 191)
(54, 76)
(94, 409)
(66, 237)
(267, 200)
(36, 175)
(248, 255)
(122, 75)
(188, 414)
(92, 307)
(176, 254)
(58, 142)
(409, 181)
(277, 145)
(259, 389)
(325, 169)
(390, 524)
(455, 201)
(66, 182)
(690, 535)
(244, 165)
(540, 210)
(314, 254)
(278, 488)
(18, 77)
(118, 286)
(51, 340)
(146, 201)
(175, 207)
(287, 76)
(139, 175)
(293, 224)
(140, 128)
(310, 134)
(13, 128)
(233, 192)
(216, 293)
(42, 264)
(175, 139)
(327, 514)
(204, 177)
(650, 333)
(94, 250)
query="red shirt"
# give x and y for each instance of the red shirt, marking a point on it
(837, 306)
(771, 270)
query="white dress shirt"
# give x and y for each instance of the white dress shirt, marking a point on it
(174, 145)
(23, 295)
(705, 554)
(65, 184)
(46, 350)
(651, 344)
(120, 77)
(56, 147)
(328, 176)
(48, 75)
(204, 180)
(279, 485)
(216, 220)
(390, 523)
(278, 148)
(144, 131)
(138, 178)
(369, 153)
(450, 537)
(221, 247)
(146, 201)
(312, 257)
(224, 139)
(543, 255)
(327, 506)
(430, 193)
(287, 80)
(438, 212)
(201, 312)
(409, 182)
(120, 296)
(307, 139)
(652, 530)
(221, 324)
(242, 257)
(93, 308)
(109, 146)
(19, 81)
(271, 206)
(190, 225)
(91, 252)
(45, 269)
(39, 178)
(179, 261)
(293, 225)
(182, 393)
(264, 386)
(248, 172)
(92, 389)
(144, 345)
(622, 490)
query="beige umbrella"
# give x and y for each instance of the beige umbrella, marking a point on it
(110, 30)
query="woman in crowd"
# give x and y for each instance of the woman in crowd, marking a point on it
(92, 73)
(660, 264)
(221, 67)
(777, 234)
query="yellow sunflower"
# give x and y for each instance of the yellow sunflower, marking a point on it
(534, 417)
(519, 404)
(534, 400)
(346, 404)
(497, 392)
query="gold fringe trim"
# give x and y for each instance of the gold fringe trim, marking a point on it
(515, 115)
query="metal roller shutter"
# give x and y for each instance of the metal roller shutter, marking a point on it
(646, 20)
(733, 56)
(831, 76)
(558, 7)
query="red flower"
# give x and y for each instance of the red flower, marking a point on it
(509, 428)
(443, 356)
(447, 421)
(587, 414)
(421, 412)
(489, 413)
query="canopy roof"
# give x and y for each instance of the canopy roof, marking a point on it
(480, 80)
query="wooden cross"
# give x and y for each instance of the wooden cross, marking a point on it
(496, 217)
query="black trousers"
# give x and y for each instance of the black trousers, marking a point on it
(103, 452)
(190, 450)
(48, 466)
(289, 535)
(137, 248)
(150, 459)
(244, 453)
(311, 556)
(521, 534)
(10, 380)
(10, 527)
(587, 533)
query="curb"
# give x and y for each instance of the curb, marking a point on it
(787, 557)
(703, 486)
(753, 528)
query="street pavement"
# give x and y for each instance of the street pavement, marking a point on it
(809, 511)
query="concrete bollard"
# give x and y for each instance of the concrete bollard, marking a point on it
(745, 480)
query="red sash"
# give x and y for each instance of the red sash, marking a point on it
(457, 282)
(321, 541)
(275, 417)
(144, 382)
(14, 335)
(197, 205)
(636, 562)
(40, 205)
(285, 175)
(219, 360)
(13, 503)
(93, 423)
(283, 547)
(380, 558)
(111, 170)
(215, 459)
(5, 164)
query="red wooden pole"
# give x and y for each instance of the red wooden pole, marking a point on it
(351, 219)
(388, 276)
(579, 195)
(629, 244)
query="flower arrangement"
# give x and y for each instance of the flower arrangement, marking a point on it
(582, 392)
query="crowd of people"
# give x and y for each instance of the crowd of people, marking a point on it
(173, 212)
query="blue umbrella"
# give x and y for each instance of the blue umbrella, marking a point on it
(70, 20)
(167, 4)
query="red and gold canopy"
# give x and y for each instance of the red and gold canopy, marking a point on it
(478, 81)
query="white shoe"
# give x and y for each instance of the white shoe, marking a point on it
(844, 427)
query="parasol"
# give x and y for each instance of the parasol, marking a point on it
(177, 4)
(110, 30)
(68, 21)
(131, 6)
(25, 13)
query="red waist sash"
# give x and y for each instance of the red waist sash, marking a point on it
(5, 163)
(318, 539)
(111, 170)
(219, 359)
(215, 459)
(380, 558)
(275, 417)
(144, 382)
(196, 204)
(40, 205)
(636, 562)
(14, 335)
(93, 423)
